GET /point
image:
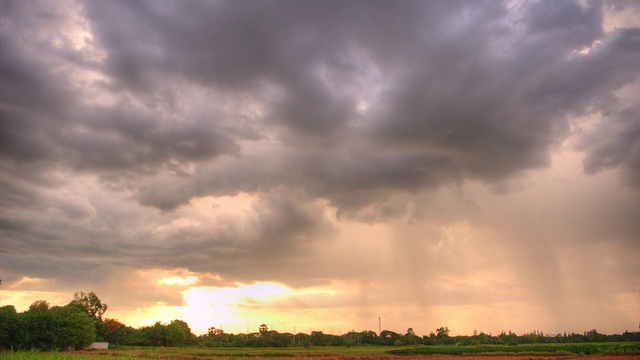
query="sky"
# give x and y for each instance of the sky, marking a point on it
(317, 165)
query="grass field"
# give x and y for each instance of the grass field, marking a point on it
(610, 348)
(194, 353)
(630, 350)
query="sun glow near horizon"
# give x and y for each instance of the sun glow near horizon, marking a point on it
(217, 306)
(236, 308)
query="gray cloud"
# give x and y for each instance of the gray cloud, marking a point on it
(476, 99)
(615, 143)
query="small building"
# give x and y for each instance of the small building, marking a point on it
(98, 346)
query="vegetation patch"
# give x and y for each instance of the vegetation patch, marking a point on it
(626, 348)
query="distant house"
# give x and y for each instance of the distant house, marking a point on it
(98, 346)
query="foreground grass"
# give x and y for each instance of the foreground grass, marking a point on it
(253, 352)
(42, 356)
(192, 353)
(610, 348)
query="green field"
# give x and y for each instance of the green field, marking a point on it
(194, 353)
(317, 351)
(609, 348)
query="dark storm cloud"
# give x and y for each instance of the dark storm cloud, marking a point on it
(358, 103)
(466, 92)
(48, 117)
(474, 94)
(615, 144)
(498, 108)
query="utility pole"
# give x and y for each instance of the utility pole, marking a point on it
(379, 326)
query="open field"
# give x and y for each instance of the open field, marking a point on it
(327, 356)
(591, 351)
(607, 348)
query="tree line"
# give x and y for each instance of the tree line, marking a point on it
(81, 322)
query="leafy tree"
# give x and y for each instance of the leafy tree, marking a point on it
(13, 330)
(388, 337)
(114, 332)
(238, 341)
(530, 338)
(255, 341)
(39, 306)
(368, 337)
(442, 334)
(483, 338)
(178, 333)
(145, 336)
(349, 341)
(157, 334)
(74, 327)
(318, 338)
(217, 337)
(57, 328)
(91, 304)
(276, 339)
(213, 332)
(41, 327)
(8, 320)
(303, 339)
(410, 337)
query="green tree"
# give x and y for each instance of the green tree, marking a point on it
(91, 304)
(388, 337)
(217, 337)
(349, 341)
(178, 333)
(442, 334)
(320, 339)
(58, 328)
(145, 336)
(483, 338)
(41, 327)
(74, 327)
(213, 332)
(13, 330)
(530, 338)
(39, 306)
(157, 335)
(114, 332)
(410, 337)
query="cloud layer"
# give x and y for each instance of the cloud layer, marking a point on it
(383, 144)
